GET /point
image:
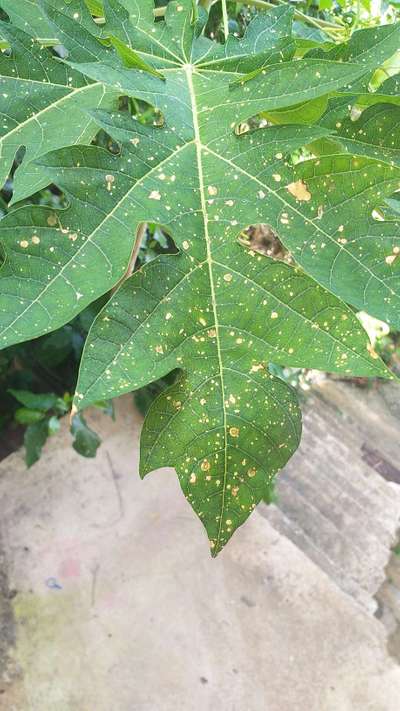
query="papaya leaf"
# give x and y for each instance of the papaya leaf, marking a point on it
(36, 91)
(28, 16)
(216, 312)
(371, 47)
(376, 133)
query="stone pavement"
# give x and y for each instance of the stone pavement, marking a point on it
(110, 601)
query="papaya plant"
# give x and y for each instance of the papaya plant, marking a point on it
(253, 129)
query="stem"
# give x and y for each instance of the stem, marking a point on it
(306, 18)
(141, 231)
(328, 27)
(225, 19)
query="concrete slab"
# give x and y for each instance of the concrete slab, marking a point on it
(112, 601)
(338, 499)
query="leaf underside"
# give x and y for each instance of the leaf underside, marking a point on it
(216, 311)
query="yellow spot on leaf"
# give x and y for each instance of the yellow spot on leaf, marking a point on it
(299, 191)
(155, 195)
(110, 179)
(256, 367)
(390, 259)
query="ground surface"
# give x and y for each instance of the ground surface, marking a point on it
(109, 598)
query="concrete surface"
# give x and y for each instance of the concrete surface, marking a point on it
(110, 600)
(339, 496)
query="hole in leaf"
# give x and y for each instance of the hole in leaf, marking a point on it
(263, 239)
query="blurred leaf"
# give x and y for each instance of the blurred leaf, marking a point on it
(43, 402)
(54, 425)
(24, 416)
(86, 442)
(34, 440)
(308, 37)
(271, 496)
(107, 406)
(53, 349)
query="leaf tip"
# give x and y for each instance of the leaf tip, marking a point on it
(214, 548)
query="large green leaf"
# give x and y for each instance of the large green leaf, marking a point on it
(370, 47)
(44, 105)
(29, 17)
(215, 311)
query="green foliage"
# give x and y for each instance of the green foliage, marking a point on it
(86, 441)
(203, 169)
(26, 369)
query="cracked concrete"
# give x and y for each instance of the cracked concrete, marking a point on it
(113, 602)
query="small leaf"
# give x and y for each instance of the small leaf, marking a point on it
(43, 401)
(34, 439)
(54, 425)
(132, 59)
(86, 442)
(28, 417)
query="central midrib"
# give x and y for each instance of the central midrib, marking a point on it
(197, 139)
